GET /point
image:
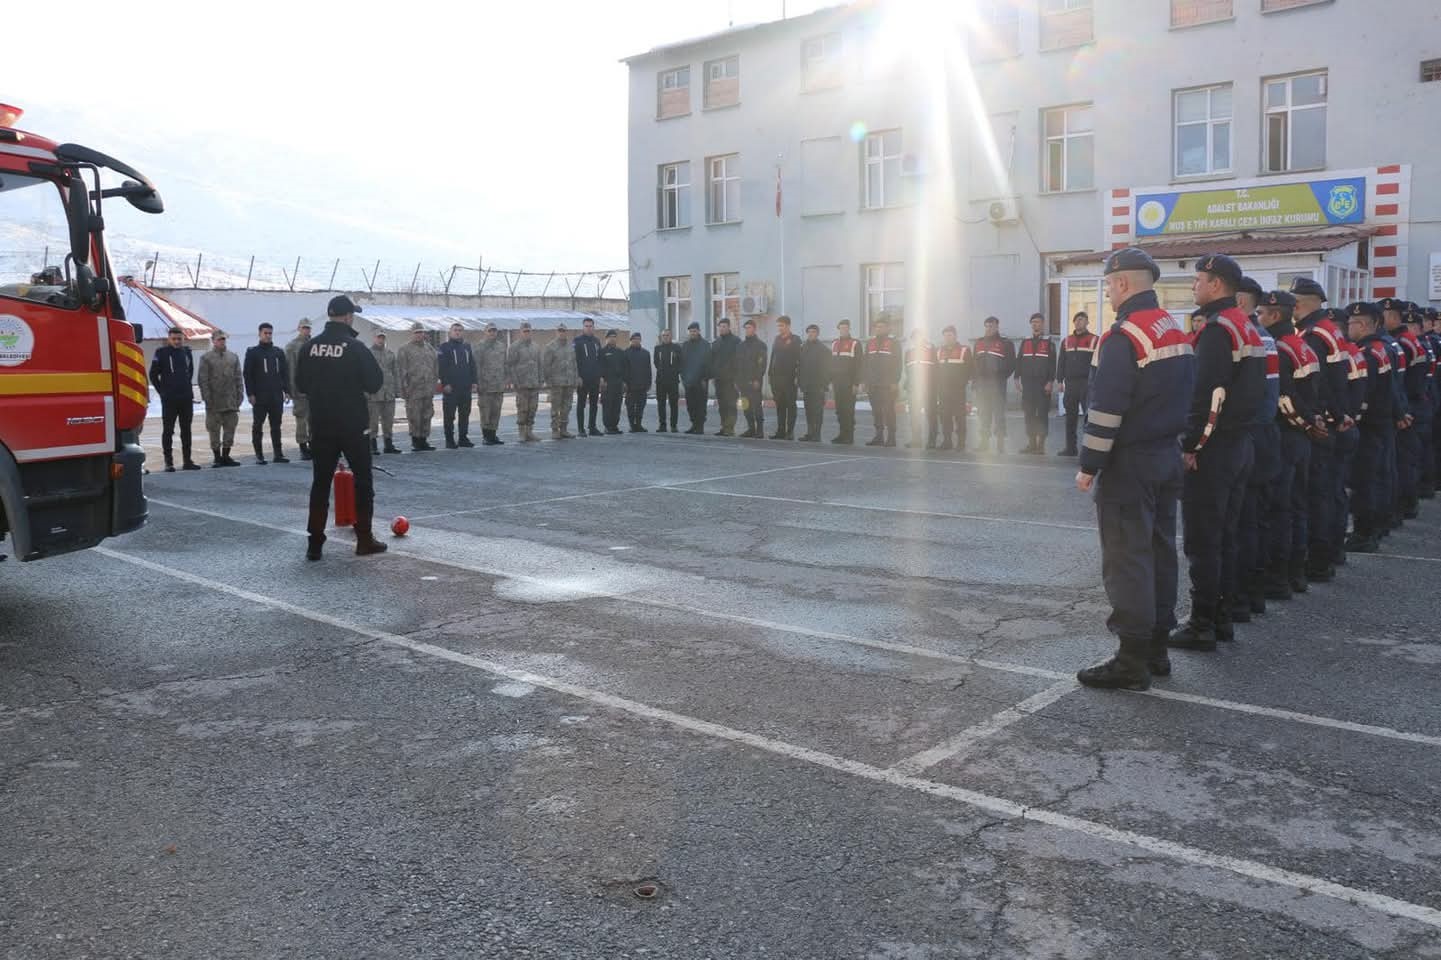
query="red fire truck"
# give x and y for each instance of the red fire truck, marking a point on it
(73, 387)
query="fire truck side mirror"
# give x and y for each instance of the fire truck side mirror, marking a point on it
(78, 213)
(142, 198)
(139, 330)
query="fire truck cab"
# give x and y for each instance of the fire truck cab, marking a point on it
(73, 386)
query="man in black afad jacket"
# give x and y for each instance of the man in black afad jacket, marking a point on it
(637, 383)
(815, 376)
(613, 367)
(338, 372)
(588, 370)
(667, 380)
(267, 386)
(458, 376)
(172, 371)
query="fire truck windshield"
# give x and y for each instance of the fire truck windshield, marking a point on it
(34, 239)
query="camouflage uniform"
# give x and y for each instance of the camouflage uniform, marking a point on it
(382, 404)
(301, 405)
(419, 370)
(523, 370)
(561, 377)
(490, 362)
(222, 387)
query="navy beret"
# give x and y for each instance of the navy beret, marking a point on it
(1306, 287)
(1131, 258)
(1363, 309)
(1249, 285)
(1278, 298)
(1222, 267)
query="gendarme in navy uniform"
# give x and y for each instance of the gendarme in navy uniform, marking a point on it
(338, 372)
(1140, 388)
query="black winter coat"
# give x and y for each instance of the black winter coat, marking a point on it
(267, 375)
(337, 373)
(172, 371)
(637, 368)
(815, 366)
(587, 358)
(611, 366)
(668, 364)
(723, 357)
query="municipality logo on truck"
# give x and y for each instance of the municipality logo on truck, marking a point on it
(17, 340)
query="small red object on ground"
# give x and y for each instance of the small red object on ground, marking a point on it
(400, 526)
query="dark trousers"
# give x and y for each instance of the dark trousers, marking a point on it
(667, 397)
(1387, 497)
(1136, 511)
(815, 411)
(587, 393)
(326, 451)
(1320, 498)
(1212, 494)
(952, 409)
(180, 410)
(610, 405)
(784, 393)
(1408, 466)
(456, 406)
(635, 405)
(1288, 494)
(1036, 403)
(1370, 504)
(1425, 454)
(883, 407)
(697, 395)
(266, 408)
(1253, 528)
(846, 409)
(991, 408)
(1346, 444)
(726, 397)
(755, 409)
(1075, 402)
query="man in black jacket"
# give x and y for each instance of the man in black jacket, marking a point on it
(612, 365)
(267, 386)
(587, 368)
(338, 373)
(695, 373)
(815, 375)
(1073, 373)
(458, 377)
(784, 369)
(668, 361)
(723, 355)
(637, 383)
(883, 377)
(750, 374)
(171, 371)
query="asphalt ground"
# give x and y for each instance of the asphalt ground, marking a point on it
(818, 700)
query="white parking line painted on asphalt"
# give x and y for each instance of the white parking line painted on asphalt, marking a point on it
(955, 746)
(1053, 524)
(1393, 556)
(902, 458)
(905, 649)
(611, 493)
(1195, 856)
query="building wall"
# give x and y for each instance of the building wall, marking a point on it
(959, 266)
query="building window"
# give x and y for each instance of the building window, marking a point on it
(725, 299)
(1203, 131)
(673, 94)
(1430, 71)
(1066, 23)
(723, 204)
(1272, 6)
(1294, 135)
(996, 30)
(885, 292)
(674, 196)
(723, 83)
(881, 154)
(1070, 150)
(821, 62)
(1191, 13)
(675, 291)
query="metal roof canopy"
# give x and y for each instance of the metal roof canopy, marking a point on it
(157, 315)
(401, 317)
(1240, 244)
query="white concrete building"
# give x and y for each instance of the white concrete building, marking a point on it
(950, 161)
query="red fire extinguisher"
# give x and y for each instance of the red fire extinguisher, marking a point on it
(344, 496)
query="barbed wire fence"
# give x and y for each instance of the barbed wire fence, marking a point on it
(162, 269)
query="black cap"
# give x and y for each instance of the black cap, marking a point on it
(1249, 285)
(812, 326)
(948, 328)
(1362, 308)
(1278, 298)
(693, 325)
(1433, 314)
(612, 333)
(1306, 287)
(1131, 258)
(1390, 303)
(1221, 267)
(635, 336)
(340, 306)
(749, 323)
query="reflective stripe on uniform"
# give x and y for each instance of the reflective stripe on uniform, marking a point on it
(1103, 419)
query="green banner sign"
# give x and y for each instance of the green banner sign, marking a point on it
(1316, 203)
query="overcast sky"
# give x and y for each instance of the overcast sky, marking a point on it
(428, 129)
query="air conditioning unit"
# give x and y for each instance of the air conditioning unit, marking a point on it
(1004, 211)
(755, 306)
(912, 165)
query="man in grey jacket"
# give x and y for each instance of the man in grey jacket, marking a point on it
(558, 370)
(490, 362)
(382, 403)
(523, 370)
(221, 389)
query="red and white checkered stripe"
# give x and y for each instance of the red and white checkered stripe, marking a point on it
(1389, 210)
(1119, 223)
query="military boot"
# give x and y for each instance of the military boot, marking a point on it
(374, 447)
(305, 453)
(1222, 623)
(218, 459)
(365, 542)
(260, 455)
(226, 460)
(390, 446)
(1127, 670)
(315, 525)
(1158, 661)
(450, 441)
(169, 462)
(1277, 585)
(1296, 575)
(1199, 633)
(280, 456)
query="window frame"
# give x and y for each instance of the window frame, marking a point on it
(661, 88)
(834, 61)
(1050, 10)
(1200, 23)
(882, 160)
(682, 192)
(1210, 123)
(712, 302)
(888, 285)
(725, 183)
(671, 296)
(1431, 70)
(734, 60)
(1289, 111)
(1065, 138)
